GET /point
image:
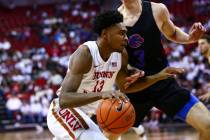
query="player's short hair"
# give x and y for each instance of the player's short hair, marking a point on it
(207, 37)
(105, 20)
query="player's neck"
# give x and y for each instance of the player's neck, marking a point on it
(104, 50)
(132, 8)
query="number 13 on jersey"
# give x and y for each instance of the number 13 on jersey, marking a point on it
(99, 86)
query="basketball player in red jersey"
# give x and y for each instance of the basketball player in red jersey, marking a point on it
(93, 69)
(145, 21)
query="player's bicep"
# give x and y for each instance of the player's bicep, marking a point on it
(167, 27)
(77, 69)
(71, 82)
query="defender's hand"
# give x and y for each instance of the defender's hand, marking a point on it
(170, 72)
(135, 75)
(196, 31)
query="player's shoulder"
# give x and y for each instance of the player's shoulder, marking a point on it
(82, 52)
(81, 58)
(159, 7)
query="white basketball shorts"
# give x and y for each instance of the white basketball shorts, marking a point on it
(71, 124)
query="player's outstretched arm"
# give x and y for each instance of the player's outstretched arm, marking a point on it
(174, 33)
(143, 82)
(139, 84)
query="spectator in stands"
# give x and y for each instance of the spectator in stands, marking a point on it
(55, 79)
(204, 46)
(36, 111)
(25, 112)
(13, 105)
(5, 44)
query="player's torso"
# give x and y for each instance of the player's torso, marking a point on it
(145, 49)
(130, 19)
(101, 76)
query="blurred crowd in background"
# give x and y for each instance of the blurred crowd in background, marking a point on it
(36, 42)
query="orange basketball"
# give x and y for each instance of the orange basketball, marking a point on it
(115, 116)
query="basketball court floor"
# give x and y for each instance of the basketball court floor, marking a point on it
(183, 134)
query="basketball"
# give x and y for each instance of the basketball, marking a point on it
(115, 116)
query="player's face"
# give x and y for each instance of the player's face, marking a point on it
(117, 38)
(203, 45)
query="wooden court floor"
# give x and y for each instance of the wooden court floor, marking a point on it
(185, 134)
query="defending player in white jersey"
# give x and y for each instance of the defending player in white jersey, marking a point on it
(93, 69)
